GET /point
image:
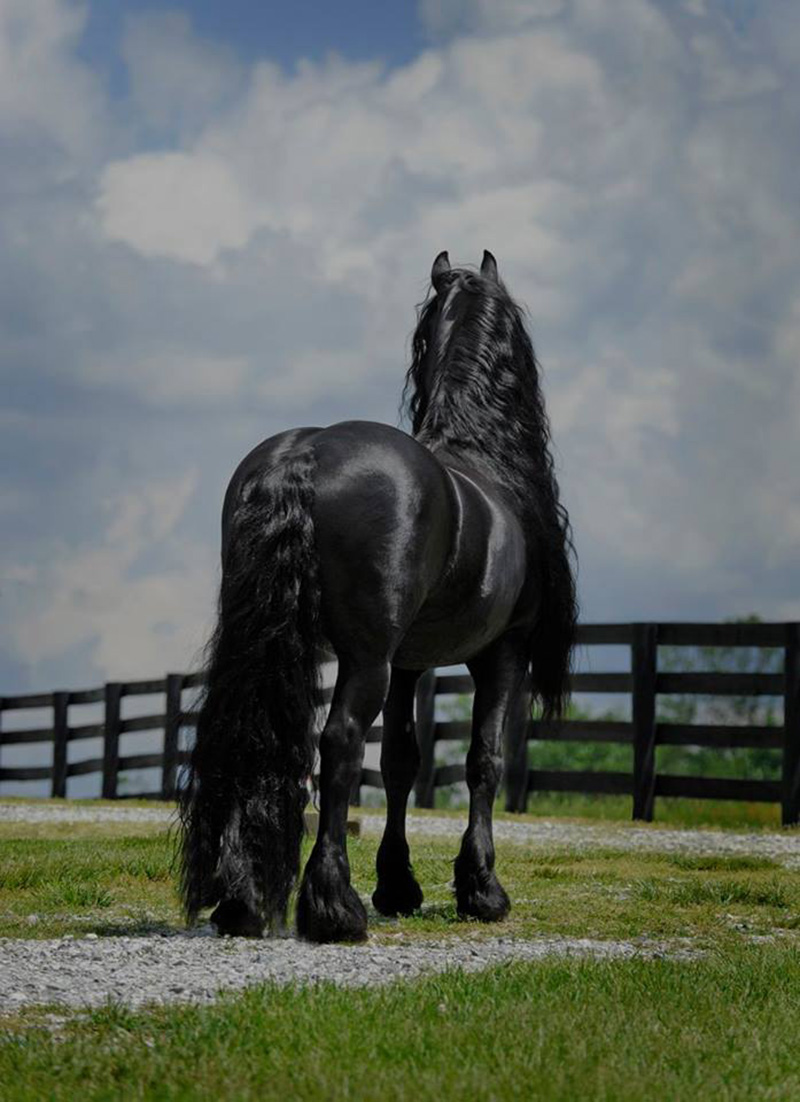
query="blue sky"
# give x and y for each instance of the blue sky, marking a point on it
(282, 31)
(215, 222)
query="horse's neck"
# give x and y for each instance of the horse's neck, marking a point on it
(472, 465)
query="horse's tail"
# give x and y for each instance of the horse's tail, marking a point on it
(242, 807)
(554, 634)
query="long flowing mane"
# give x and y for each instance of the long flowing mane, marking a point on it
(481, 401)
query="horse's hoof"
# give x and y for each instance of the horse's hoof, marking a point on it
(397, 891)
(401, 896)
(233, 918)
(328, 908)
(490, 905)
(479, 894)
(324, 916)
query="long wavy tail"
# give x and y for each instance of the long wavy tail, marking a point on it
(554, 635)
(242, 807)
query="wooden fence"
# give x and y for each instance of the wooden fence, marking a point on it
(644, 682)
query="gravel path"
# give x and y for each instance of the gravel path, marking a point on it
(194, 967)
(548, 834)
(80, 813)
(543, 834)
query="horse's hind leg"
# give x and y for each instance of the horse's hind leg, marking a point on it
(397, 891)
(499, 678)
(328, 908)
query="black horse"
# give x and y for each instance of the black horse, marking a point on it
(397, 553)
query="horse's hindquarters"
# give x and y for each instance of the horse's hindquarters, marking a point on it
(385, 523)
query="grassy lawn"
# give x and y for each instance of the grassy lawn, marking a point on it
(124, 885)
(723, 1024)
(107, 878)
(669, 812)
(723, 1027)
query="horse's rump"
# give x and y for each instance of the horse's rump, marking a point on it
(417, 563)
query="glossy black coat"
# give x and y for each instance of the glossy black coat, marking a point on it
(396, 554)
(423, 562)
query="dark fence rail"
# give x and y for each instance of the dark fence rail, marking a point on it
(643, 684)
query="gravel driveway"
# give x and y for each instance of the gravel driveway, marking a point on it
(195, 966)
(547, 834)
(783, 846)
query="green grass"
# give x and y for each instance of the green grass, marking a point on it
(102, 882)
(754, 764)
(50, 886)
(724, 1026)
(669, 812)
(718, 892)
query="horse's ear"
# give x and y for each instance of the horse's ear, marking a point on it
(489, 266)
(441, 266)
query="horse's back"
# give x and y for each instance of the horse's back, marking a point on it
(414, 554)
(415, 559)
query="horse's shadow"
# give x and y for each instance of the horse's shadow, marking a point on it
(442, 914)
(150, 928)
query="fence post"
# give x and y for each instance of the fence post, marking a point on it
(60, 740)
(515, 780)
(644, 669)
(172, 726)
(425, 724)
(790, 809)
(113, 696)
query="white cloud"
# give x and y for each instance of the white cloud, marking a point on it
(135, 622)
(170, 204)
(315, 372)
(46, 93)
(177, 78)
(242, 248)
(729, 78)
(787, 342)
(447, 17)
(175, 377)
(309, 156)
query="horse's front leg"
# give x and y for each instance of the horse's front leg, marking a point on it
(397, 891)
(499, 676)
(328, 907)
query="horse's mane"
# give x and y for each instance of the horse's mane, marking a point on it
(483, 402)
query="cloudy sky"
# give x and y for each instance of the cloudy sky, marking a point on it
(215, 221)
